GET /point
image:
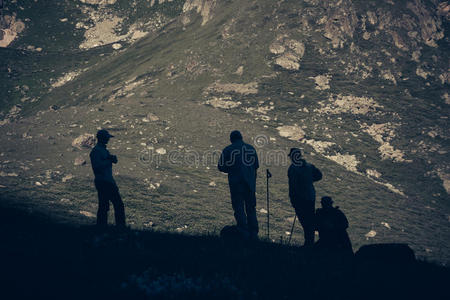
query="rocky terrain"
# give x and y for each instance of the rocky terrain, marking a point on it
(361, 86)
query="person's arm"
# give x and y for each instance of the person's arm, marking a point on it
(99, 161)
(256, 165)
(291, 179)
(316, 174)
(112, 158)
(223, 162)
(344, 220)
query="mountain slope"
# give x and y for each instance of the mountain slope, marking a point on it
(362, 86)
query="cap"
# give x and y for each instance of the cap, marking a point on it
(103, 134)
(295, 152)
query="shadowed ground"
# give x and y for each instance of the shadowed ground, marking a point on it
(45, 259)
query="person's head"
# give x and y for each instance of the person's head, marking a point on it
(326, 201)
(296, 156)
(103, 136)
(235, 136)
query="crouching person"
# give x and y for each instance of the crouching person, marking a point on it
(332, 224)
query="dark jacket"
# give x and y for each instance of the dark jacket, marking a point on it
(301, 179)
(101, 163)
(240, 161)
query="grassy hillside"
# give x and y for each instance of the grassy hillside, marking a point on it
(361, 86)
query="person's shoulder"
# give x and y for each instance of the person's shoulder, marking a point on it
(94, 150)
(308, 164)
(293, 170)
(250, 146)
(338, 210)
(228, 148)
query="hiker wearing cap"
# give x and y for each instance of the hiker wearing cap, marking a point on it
(240, 161)
(332, 224)
(101, 161)
(302, 194)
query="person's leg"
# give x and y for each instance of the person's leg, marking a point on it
(119, 209)
(310, 215)
(103, 203)
(250, 209)
(237, 202)
(306, 218)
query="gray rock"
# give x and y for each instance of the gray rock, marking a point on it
(79, 161)
(84, 141)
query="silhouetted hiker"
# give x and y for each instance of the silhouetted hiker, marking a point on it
(240, 161)
(107, 189)
(302, 193)
(332, 224)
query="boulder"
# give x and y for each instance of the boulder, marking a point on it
(393, 253)
(79, 161)
(84, 141)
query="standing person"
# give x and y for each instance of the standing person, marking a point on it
(332, 224)
(101, 161)
(240, 161)
(302, 194)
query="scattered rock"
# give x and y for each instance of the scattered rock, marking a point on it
(67, 178)
(224, 88)
(84, 141)
(4, 174)
(150, 118)
(370, 234)
(373, 173)
(239, 71)
(161, 151)
(116, 46)
(263, 211)
(294, 133)
(224, 102)
(66, 78)
(385, 224)
(319, 146)
(11, 31)
(212, 184)
(445, 177)
(79, 161)
(346, 160)
(322, 82)
(181, 229)
(348, 104)
(148, 224)
(203, 7)
(87, 214)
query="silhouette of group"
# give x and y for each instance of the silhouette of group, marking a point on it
(240, 161)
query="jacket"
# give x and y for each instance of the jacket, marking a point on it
(240, 161)
(101, 164)
(301, 178)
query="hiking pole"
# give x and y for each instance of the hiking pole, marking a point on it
(292, 230)
(268, 175)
